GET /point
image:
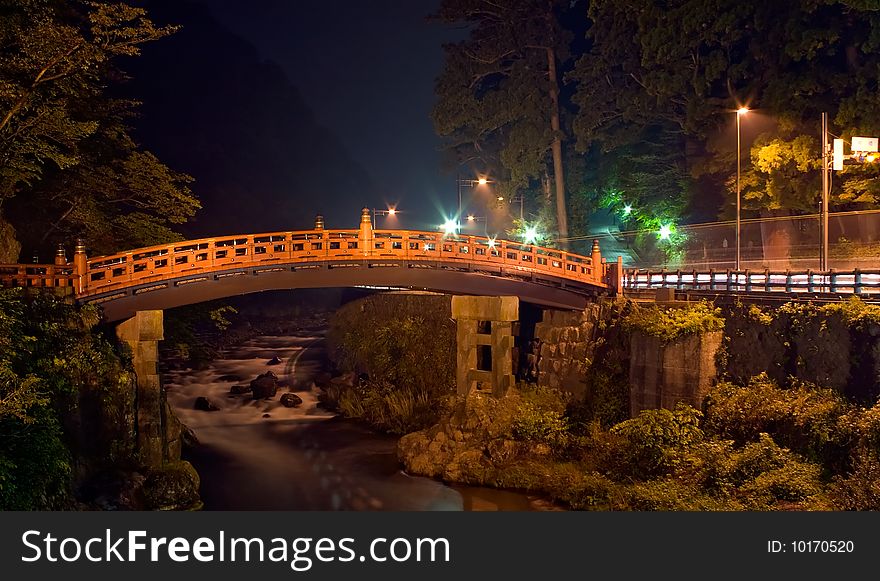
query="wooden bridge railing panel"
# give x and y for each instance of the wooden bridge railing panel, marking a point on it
(155, 264)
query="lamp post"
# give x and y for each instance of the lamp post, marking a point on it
(389, 212)
(518, 198)
(739, 113)
(482, 181)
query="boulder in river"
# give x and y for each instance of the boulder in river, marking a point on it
(274, 361)
(239, 389)
(265, 386)
(205, 405)
(291, 400)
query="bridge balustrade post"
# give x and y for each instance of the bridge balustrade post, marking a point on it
(767, 280)
(596, 262)
(729, 281)
(748, 280)
(80, 266)
(832, 280)
(60, 260)
(857, 281)
(365, 238)
(788, 281)
(810, 283)
(619, 276)
(712, 279)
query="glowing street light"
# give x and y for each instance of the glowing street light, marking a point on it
(450, 226)
(481, 181)
(491, 243)
(739, 113)
(665, 232)
(627, 210)
(391, 211)
(531, 234)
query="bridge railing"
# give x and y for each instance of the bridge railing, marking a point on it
(267, 251)
(38, 275)
(858, 282)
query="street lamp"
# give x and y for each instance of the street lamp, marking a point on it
(481, 181)
(519, 198)
(392, 211)
(739, 113)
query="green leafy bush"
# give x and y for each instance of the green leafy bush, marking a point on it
(671, 323)
(653, 441)
(803, 418)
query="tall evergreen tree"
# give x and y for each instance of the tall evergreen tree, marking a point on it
(499, 94)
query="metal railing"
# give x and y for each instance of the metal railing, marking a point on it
(857, 282)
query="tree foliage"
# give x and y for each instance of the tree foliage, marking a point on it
(789, 60)
(498, 95)
(68, 164)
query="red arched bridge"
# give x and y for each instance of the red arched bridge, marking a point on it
(181, 273)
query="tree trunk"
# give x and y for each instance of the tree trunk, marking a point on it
(561, 214)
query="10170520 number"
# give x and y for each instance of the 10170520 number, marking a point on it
(822, 546)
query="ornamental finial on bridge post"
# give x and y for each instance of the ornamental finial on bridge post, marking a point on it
(60, 256)
(319, 222)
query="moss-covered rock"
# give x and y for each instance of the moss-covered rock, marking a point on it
(174, 486)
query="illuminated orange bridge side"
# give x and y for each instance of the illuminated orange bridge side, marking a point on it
(192, 271)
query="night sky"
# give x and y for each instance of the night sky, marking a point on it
(361, 72)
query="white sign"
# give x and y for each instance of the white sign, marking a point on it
(837, 158)
(864, 144)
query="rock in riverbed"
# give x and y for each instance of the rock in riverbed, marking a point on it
(204, 404)
(291, 400)
(265, 386)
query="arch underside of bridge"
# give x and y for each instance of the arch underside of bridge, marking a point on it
(538, 289)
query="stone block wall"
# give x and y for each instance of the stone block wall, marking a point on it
(664, 374)
(567, 346)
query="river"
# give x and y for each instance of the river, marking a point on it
(260, 455)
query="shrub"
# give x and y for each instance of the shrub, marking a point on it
(389, 409)
(669, 324)
(859, 490)
(652, 441)
(803, 418)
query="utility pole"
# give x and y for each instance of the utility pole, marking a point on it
(826, 187)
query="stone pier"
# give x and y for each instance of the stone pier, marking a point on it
(157, 440)
(485, 343)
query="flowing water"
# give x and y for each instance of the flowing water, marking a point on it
(260, 455)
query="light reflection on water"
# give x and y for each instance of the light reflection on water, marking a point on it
(302, 458)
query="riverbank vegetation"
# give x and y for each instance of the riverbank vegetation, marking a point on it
(69, 415)
(753, 447)
(400, 349)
